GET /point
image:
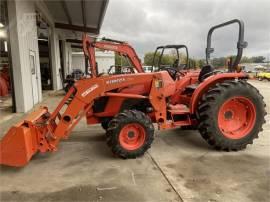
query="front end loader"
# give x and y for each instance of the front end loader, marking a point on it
(227, 110)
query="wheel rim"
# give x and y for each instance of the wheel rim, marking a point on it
(132, 136)
(237, 117)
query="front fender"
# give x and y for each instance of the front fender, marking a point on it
(208, 83)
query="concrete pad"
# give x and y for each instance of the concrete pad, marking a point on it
(199, 173)
(84, 169)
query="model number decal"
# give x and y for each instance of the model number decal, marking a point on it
(111, 47)
(113, 81)
(89, 90)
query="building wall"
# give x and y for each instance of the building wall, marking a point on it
(78, 62)
(54, 44)
(42, 8)
(55, 58)
(67, 57)
(23, 40)
(104, 60)
(23, 43)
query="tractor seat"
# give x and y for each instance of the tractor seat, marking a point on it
(205, 72)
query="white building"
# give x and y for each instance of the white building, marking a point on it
(104, 59)
(36, 34)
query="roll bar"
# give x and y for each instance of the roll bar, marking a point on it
(176, 47)
(241, 44)
(153, 62)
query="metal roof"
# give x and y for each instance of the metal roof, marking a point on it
(78, 15)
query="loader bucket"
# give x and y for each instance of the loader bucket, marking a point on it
(21, 141)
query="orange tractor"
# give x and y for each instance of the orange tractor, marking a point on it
(227, 110)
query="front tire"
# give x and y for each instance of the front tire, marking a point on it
(231, 115)
(105, 123)
(130, 134)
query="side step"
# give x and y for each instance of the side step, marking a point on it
(180, 115)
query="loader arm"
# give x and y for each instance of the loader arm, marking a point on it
(41, 131)
(123, 48)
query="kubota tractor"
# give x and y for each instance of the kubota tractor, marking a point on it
(228, 111)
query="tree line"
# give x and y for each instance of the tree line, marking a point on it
(218, 62)
(169, 59)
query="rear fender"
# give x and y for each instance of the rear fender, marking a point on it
(208, 83)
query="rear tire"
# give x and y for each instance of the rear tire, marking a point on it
(130, 134)
(231, 115)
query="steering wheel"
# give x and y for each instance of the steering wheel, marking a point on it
(183, 66)
(171, 70)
